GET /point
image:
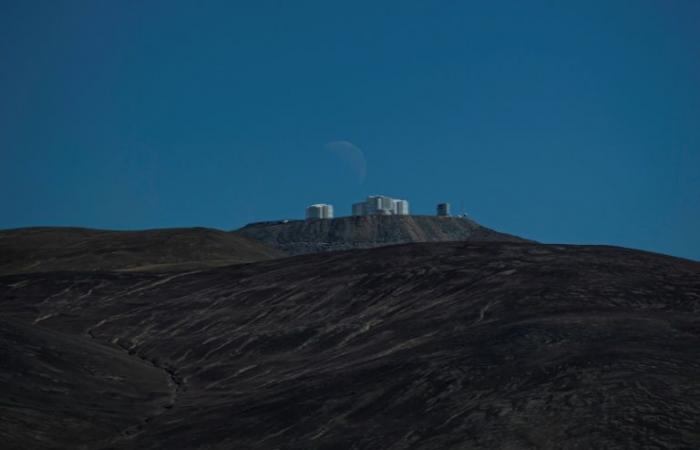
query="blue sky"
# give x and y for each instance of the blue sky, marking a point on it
(575, 122)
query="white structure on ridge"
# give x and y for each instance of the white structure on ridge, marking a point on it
(401, 207)
(380, 205)
(319, 211)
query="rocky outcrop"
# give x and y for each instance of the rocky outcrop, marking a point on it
(320, 235)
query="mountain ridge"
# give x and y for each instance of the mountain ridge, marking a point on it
(37, 249)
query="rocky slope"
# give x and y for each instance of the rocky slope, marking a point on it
(310, 236)
(45, 249)
(421, 346)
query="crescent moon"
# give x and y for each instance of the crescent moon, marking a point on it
(351, 156)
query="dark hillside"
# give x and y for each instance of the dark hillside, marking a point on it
(44, 249)
(420, 346)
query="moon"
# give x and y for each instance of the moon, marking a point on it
(351, 156)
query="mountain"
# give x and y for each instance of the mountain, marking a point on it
(423, 346)
(344, 233)
(45, 249)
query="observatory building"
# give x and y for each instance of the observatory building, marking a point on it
(319, 211)
(380, 205)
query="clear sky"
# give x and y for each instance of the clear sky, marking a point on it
(575, 122)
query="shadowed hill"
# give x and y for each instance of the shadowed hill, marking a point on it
(45, 249)
(344, 233)
(63, 391)
(420, 346)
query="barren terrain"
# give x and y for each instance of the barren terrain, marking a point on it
(44, 249)
(296, 237)
(422, 346)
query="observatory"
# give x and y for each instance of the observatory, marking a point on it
(381, 205)
(319, 211)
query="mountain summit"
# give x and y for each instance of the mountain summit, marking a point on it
(297, 237)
